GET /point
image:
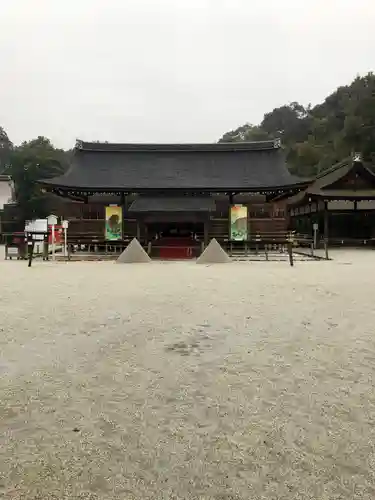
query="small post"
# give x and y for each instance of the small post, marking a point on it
(257, 241)
(45, 247)
(290, 249)
(53, 242)
(30, 245)
(266, 250)
(65, 225)
(315, 229)
(52, 221)
(290, 252)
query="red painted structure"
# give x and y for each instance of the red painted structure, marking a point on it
(175, 248)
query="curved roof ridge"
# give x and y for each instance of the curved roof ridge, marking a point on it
(173, 147)
(334, 167)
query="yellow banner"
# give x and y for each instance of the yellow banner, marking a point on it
(113, 223)
(238, 223)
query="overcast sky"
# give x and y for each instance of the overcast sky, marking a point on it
(171, 70)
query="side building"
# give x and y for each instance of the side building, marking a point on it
(6, 198)
(340, 203)
(171, 192)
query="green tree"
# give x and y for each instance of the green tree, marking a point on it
(291, 122)
(246, 133)
(31, 161)
(6, 147)
(314, 138)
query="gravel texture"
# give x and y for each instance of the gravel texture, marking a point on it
(177, 381)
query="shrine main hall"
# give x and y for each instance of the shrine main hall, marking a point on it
(178, 197)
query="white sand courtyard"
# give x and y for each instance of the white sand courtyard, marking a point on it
(177, 381)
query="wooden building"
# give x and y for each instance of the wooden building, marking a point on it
(170, 192)
(6, 198)
(340, 202)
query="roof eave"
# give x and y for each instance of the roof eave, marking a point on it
(186, 189)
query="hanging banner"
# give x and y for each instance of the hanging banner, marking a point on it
(238, 223)
(113, 223)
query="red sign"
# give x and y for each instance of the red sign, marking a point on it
(59, 235)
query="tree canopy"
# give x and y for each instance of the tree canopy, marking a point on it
(6, 148)
(33, 160)
(316, 137)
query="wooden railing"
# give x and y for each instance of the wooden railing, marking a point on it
(266, 243)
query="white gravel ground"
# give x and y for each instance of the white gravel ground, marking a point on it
(177, 381)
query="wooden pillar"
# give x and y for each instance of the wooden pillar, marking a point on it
(248, 229)
(123, 204)
(206, 231)
(326, 228)
(231, 201)
(290, 248)
(229, 224)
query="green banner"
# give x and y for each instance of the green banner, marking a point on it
(238, 223)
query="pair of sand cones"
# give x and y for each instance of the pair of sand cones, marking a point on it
(134, 253)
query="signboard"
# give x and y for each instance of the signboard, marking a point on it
(12, 251)
(38, 228)
(113, 223)
(52, 220)
(238, 223)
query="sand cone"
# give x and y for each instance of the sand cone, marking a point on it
(214, 254)
(133, 253)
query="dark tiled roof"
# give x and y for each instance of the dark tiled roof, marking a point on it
(222, 146)
(223, 166)
(333, 174)
(349, 194)
(177, 204)
(327, 184)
